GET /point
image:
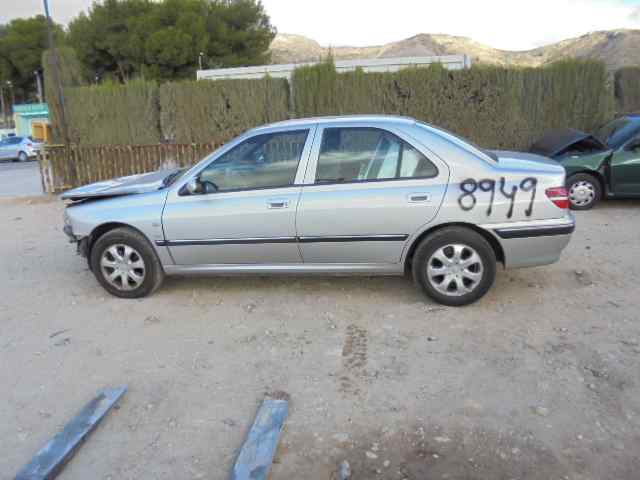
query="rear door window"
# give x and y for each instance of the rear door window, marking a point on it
(369, 154)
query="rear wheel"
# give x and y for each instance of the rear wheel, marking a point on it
(584, 191)
(455, 266)
(125, 264)
(23, 157)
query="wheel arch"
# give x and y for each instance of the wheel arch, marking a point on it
(104, 228)
(493, 241)
(597, 174)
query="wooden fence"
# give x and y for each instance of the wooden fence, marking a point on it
(65, 167)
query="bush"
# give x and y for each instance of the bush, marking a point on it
(114, 114)
(206, 111)
(627, 89)
(71, 75)
(496, 107)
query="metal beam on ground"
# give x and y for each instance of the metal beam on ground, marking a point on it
(50, 460)
(256, 455)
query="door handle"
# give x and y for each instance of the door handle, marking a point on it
(279, 203)
(419, 197)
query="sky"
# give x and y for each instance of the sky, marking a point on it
(505, 24)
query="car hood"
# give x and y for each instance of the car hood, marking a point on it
(526, 162)
(142, 183)
(556, 142)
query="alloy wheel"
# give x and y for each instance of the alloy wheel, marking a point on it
(455, 270)
(123, 267)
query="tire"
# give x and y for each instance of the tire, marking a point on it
(467, 284)
(122, 250)
(23, 157)
(585, 191)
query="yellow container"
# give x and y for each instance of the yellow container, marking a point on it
(41, 131)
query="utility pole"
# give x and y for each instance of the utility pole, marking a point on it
(57, 77)
(4, 108)
(39, 85)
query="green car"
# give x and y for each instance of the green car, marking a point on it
(605, 164)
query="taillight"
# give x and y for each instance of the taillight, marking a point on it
(559, 196)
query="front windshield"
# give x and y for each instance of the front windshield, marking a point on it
(615, 133)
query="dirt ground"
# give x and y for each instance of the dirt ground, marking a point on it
(540, 380)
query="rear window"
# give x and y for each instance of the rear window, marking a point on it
(461, 141)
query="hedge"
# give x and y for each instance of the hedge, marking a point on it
(496, 107)
(627, 89)
(114, 114)
(71, 75)
(206, 111)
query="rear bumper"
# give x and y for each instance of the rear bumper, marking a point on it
(534, 232)
(531, 244)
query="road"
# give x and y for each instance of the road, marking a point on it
(539, 380)
(20, 179)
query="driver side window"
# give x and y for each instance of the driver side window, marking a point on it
(264, 161)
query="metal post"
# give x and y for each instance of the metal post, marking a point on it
(56, 74)
(200, 60)
(4, 108)
(39, 85)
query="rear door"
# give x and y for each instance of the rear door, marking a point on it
(366, 191)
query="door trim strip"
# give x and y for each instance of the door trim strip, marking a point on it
(271, 240)
(354, 238)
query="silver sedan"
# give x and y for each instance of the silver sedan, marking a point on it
(343, 195)
(19, 148)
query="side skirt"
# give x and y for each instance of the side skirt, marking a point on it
(289, 269)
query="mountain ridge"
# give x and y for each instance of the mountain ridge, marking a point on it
(616, 48)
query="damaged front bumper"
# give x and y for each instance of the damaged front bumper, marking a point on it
(82, 243)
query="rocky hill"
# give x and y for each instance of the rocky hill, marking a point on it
(616, 48)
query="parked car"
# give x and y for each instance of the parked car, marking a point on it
(343, 195)
(603, 165)
(19, 148)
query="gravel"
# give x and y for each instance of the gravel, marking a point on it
(531, 382)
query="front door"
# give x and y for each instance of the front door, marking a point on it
(370, 191)
(244, 213)
(625, 169)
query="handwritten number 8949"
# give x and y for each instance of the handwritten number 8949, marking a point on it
(469, 187)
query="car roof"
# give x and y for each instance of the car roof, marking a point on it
(373, 119)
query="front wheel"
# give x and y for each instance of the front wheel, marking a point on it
(125, 264)
(584, 191)
(455, 266)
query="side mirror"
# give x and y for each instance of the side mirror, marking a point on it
(194, 187)
(633, 145)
